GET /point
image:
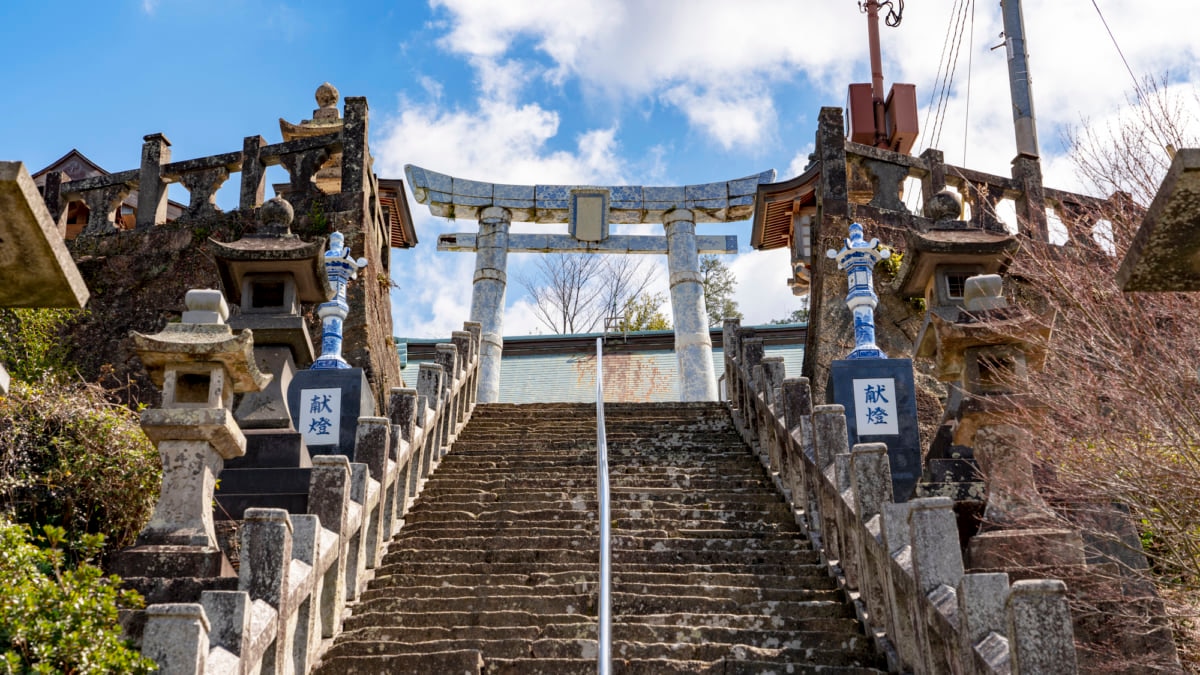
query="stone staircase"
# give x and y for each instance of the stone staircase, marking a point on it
(496, 568)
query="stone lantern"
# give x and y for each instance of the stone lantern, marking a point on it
(270, 273)
(200, 364)
(988, 350)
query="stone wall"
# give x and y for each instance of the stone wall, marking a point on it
(138, 276)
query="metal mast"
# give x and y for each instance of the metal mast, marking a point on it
(1024, 121)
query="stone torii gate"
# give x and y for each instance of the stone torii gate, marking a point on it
(589, 211)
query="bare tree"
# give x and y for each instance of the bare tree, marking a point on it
(1118, 420)
(573, 292)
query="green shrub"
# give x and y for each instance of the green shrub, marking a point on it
(31, 346)
(72, 459)
(55, 619)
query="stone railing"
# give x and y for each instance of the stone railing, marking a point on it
(297, 572)
(203, 176)
(901, 563)
(874, 184)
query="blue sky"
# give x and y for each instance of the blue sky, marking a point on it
(583, 91)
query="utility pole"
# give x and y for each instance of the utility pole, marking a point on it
(1024, 121)
(871, 8)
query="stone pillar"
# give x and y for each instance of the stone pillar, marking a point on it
(693, 346)
(152, 190)
(487, 296)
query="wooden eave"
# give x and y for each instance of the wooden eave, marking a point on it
(400, 222)
(774, 205)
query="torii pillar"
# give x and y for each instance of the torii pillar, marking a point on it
(693, 346)
(588, 211)
(487, 296)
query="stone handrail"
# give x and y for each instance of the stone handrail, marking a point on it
(203, 176)
(297, 572)
(900, 563)
(886, 172)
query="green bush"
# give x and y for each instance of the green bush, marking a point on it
(72, 459)
(31, 346)
(55, 619)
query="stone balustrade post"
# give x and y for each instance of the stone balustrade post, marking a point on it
(935, 182)
(487, 296)
(357, 554)
(897, 545)
(797, 414)
(306, 548)
(429, 388)
(476, 330)
(55, 204)
(1040, 637)
(937, 569)
(402, 409)
(176, 638)
(729, 350)
(446, 356)
(462, 342)
(982, 598)
(254, 174)
(871, 489)
(263, 574)
(229, 615)
(829, 439)
(329, 500)
(371, 444)
(693, 345)
(870, 479)
(152, 189)
(773, 376)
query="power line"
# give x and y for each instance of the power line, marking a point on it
(970, 60)
(1136, 86)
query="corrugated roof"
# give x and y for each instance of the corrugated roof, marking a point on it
(629, 376)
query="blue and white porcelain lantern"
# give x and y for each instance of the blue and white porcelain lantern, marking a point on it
(341, 268)
(858, 257)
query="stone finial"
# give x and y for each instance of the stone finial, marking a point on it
(327, 99)
(277, 216)
(204, 306)
(983, 292)
(945, 205)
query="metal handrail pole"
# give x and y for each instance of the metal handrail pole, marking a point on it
(604, 639)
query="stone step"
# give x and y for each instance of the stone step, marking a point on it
(400, 565)
(623, 604)
(591, 543)
(623, 496)
(442, 530)
(463, 662)
(582, 648)
(589, 556)
(459, 617)
(566, 666)
(588, 589)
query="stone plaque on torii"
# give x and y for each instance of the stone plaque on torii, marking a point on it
(589, 211)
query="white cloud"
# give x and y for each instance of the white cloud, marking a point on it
(148, 6)
(734, 119)
(715, 59)
(762, 293)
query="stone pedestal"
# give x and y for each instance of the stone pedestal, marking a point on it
(880, 399)
(325, 406)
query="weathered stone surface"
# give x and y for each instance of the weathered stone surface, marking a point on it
(1162, 255)
(176, 634)
(36, 269)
